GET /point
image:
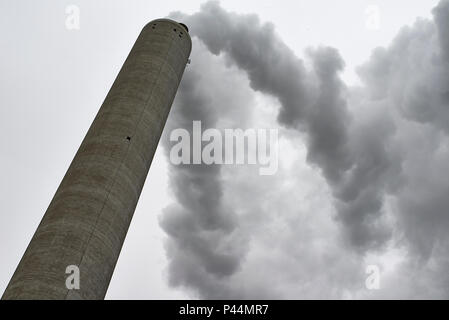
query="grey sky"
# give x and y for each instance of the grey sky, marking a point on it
(311, 228)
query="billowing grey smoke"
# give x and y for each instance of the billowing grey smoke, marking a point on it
(363, 140)
(412, 77)
(313, 102)
(200, 225)
(317, 107)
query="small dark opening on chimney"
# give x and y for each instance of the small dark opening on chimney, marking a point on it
(128, 138)
(174, 30)
(185, 27)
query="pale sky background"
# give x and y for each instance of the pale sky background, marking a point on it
(53, 80)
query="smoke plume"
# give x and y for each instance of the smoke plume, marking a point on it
(380, 148)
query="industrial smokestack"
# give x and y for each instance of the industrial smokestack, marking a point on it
(87, 220)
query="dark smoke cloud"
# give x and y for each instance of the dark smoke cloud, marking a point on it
(441, 12)
(203, 242)
(413, 76)
(381, 147)
(272, 68)
(311, 101)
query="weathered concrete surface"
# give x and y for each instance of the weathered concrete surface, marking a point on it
(88, 218)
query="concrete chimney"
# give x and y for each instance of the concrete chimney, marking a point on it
(88, 218)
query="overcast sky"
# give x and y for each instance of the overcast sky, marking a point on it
(359, 91)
